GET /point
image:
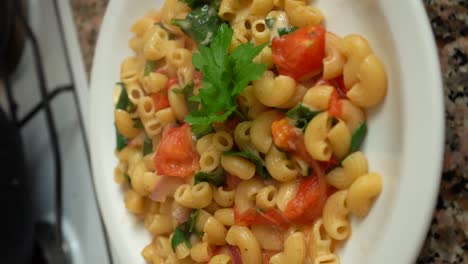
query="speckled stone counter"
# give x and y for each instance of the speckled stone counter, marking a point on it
(447, 239)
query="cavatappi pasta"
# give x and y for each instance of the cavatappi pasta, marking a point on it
(238, 127)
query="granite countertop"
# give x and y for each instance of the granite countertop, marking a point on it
(447, 239)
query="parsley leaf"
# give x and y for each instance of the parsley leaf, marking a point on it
(259, 165)
(187, 91)
(224, 77)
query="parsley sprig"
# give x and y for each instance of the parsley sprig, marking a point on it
(224, 77)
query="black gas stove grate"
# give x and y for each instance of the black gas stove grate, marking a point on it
(50, 247)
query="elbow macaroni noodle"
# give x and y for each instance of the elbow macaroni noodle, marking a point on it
(248, 209)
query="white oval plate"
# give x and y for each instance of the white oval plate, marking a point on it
(404, 141)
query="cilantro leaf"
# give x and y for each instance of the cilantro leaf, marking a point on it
(259, 165)
(224, 77)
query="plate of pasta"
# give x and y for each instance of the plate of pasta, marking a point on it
(266, 131)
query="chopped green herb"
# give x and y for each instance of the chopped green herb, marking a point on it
(129, 180)
(178, 238)
(147, 146)
(193, 220)
(302, 114)
(137, 123)
(131, 107)
(270, 22)
(149, 67)
(200, 24)
(187, 91)
(224, 77)
(286, 30)
(124, 102)
(239, 114)
(121, 140)
(259, 165)
(172, 36)
(358, 137)
(197, 3)
(217, 178)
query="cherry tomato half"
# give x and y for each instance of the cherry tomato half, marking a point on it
(301, 52)
(308, 203)
(176, 155)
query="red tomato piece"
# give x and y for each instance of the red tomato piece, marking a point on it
(232, 181)
(300, 53)
(160, 100)
(176, 155)
(284, 134)
(170, 83)
(342, 90)
(335, 105)
(326, 166)
(308, 203)
(254, 216)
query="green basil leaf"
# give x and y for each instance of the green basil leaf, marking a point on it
(147, 146)
(193, 220)
(200, 24)
(358, 137)
(286, 30)
(137, 123)
(149, 67)
(123, 101)
(121, 140)
(302, 114)
(217, 178)
(259, 165)
(270, 22)
(178, 238)
(127, 177)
